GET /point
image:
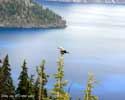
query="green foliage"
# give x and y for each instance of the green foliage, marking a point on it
(23, 81)
(44, 14)
(88, 91)
(20, 13)
(58, 90)
(31, 85)
(41, 91)
(6, 82)
(25, 86)
(2, 79)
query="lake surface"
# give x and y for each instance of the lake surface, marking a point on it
(95, 38)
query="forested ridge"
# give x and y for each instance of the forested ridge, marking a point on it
(28, 14)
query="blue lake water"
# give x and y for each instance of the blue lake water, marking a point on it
(95, 38)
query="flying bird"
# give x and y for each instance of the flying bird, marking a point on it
(63, 51)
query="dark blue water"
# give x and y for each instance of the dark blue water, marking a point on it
(95, 38)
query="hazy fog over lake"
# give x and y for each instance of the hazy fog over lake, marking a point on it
(95, 38)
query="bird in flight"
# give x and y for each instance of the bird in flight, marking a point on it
(63, 51)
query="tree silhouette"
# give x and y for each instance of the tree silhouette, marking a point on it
(25, 86)
(58, 90)
(41, 91)
(7, 87)
(88, 91)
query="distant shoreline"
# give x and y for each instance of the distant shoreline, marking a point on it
(11, 27)
(49, 26)
(89, 3)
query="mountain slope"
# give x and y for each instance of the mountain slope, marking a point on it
(26, 13)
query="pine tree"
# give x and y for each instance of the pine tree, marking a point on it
(25, 86)
(7, 82)
(1, 81)
(88, 91)
(41, 91)
(31, 87)
(58, 90)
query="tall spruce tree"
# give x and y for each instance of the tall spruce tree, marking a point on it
(31, 88)
(7, 82)
(25, 86)
(88, 92)
(31, 85)
(41, 91)
(58, 90)
(1, 81)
